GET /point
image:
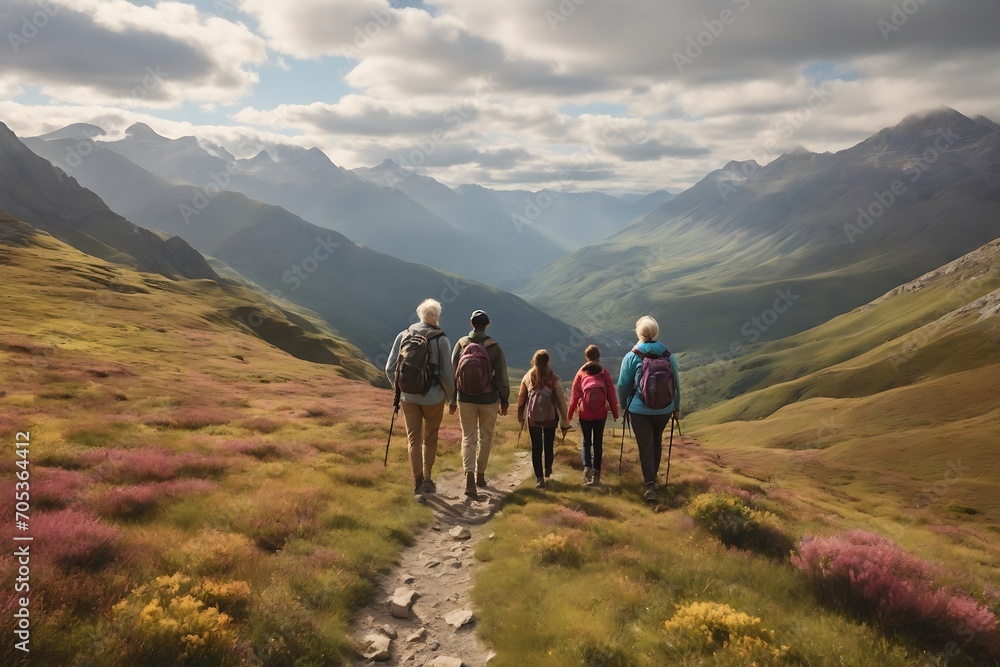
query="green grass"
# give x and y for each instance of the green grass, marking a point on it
(277, 448)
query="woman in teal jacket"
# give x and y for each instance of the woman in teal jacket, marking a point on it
(647, 423)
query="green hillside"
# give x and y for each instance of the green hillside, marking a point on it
(756, 253)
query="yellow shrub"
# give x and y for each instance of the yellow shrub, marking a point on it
(166, 619)
(555, 549)
(711, 627)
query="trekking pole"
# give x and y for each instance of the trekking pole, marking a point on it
(621, 454)
(392, 422)
(519, 432)
(670, 447)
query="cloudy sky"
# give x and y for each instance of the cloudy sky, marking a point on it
(613, 95)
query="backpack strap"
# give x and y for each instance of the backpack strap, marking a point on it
(643, 355)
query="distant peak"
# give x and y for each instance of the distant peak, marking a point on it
(76, 131)
(261, 157)
(942, 116)
(142, 132)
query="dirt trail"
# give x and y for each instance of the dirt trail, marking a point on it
(438, 568)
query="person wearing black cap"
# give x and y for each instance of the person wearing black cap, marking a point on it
(482, 392)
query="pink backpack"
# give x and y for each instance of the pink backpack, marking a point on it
(541, 405)
(474, 373)
(595, 393)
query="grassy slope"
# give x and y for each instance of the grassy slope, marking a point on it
(265, 469)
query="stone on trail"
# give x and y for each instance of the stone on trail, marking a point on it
(376, 647)
(417, 636)
(446, 661)
(389, 631)
(458, 618)
(400, 602)
(407, 578)
(460, 533)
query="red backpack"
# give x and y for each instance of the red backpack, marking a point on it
(474, 372)
(595, 393)
(655, 380)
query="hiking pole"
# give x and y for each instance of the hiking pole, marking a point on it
(621, 454)
(670, 448)
(519, 432)
(392, 422)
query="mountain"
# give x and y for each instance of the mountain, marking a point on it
(570, 219)
(643, 204)
(364, 295)
(474, 210)
(754, 253)
(907, 383)
(308, 184)
(32, 190)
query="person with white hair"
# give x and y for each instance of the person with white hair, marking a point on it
(643, 368)
(426, 345)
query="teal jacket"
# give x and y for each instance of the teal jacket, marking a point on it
(627, 381)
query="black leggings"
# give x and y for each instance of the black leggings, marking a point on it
(593, 434)
(537, 434)
(648, 431)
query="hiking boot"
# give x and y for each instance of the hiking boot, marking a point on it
(429, 486)
(470, 485)
(595, 479)
(481, 480)
(650, 495)
(418, 485)
(540, 483)
(588, 474)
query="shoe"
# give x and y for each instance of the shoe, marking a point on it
(540, 483)
(588, 474)
(481, 480)
(418, 485)
(470, 485)
(429, 486)
(595, 479)
(650, 495)
(548, 472)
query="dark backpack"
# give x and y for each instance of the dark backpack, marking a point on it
(415, 374)
(541, 405)
(655, 380)
(474, 371)
(595, 393)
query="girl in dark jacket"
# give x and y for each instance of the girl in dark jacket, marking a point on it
(542, 390)
(593, 393)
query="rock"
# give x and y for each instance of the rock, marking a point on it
(376, 647)
(446, 661)
(433, 564)
(400, 602)
(389, 631)
(455, 564)
(458, 618)
(489, 656)
(436, 527)
(407, 578)
(433, 646)
(417, 636)
(460, 533)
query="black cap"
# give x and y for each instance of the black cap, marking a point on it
(480, 317)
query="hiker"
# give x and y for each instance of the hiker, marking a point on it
(482, 392)
(593, 392)
(542, 403)
(647, 421)
(419, 368)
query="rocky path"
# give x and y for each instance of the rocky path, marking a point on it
(422, 613)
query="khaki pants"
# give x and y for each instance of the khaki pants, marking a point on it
(478, 422)
(422, 424)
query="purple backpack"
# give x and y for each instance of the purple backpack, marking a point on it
(474, 372)
(655, 380)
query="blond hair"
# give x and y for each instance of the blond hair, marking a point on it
(647, 329)
(429, 311)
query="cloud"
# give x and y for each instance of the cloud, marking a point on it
(100, 51)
